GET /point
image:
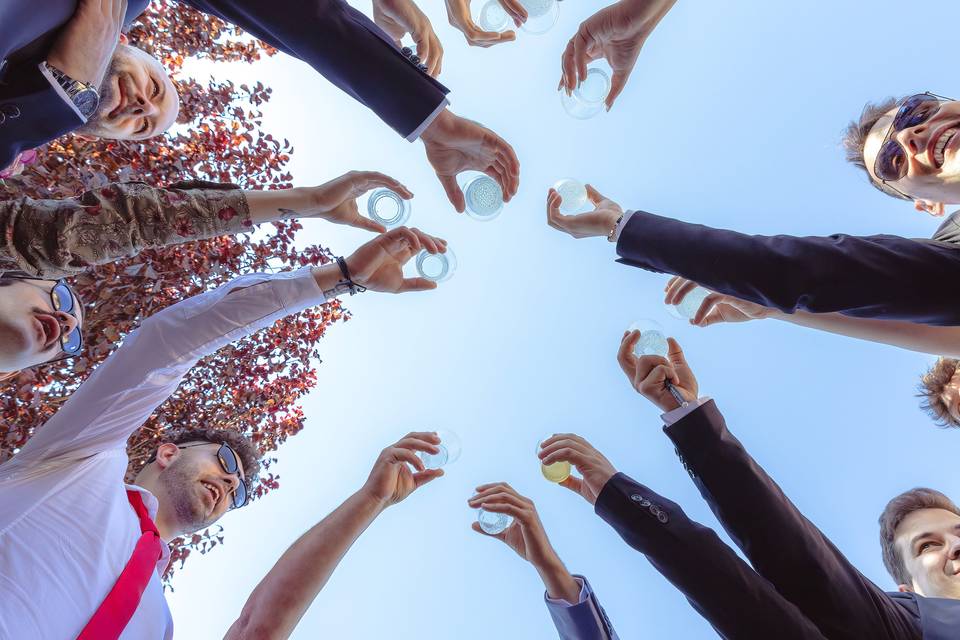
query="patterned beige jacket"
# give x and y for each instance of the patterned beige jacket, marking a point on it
(59, 238)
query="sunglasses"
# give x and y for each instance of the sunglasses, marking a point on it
(228, 460)
(62, 298)
(891, 163)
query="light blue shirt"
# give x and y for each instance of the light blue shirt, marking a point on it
(584, 620)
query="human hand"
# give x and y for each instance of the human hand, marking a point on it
(616, 33)
(595, 470)
(455, 144)
(458, 14)
(716, 307)
(378, 265)
(525, 535)
(84, 48)
(336, 200)
(391, 480)
(599, 222)
(649, 374)
(400, 17)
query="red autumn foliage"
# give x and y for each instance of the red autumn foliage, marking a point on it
(253, 385)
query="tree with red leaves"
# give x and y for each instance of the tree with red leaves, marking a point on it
(253, 385)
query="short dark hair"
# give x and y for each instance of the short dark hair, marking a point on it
(855, 136)
(248, 452)
(895, 513)
(930, 391)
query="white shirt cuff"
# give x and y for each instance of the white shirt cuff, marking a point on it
(584, 595)
(56, 86)
(672, 417)
(623, 222)
(430, 118)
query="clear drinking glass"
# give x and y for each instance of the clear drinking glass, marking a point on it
(493, 523)
(573, 194)
(690, 304)
(587, 99)
(556, 472)
(438, 267)
(653, 339)
(449, 451)
(490, 16)
(541, 15)
(483, 196)
(388, 208)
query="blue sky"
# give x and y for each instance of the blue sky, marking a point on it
(732, 118)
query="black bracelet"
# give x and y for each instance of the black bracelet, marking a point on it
(354, 287)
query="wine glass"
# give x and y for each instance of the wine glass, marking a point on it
(388, 208)
(556, 472)
(493, 523)
(449, 451)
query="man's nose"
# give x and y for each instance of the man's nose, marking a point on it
(915, 139)
(953, 547)
(67, 322)
(141, 106)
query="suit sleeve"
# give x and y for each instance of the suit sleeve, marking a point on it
(731, 596)
(783, 546)
(33, 112)
(869, 277)
(346, 48)
(583, 620)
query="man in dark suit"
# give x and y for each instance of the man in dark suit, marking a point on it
(878, 276)
(920, 531)
(40, 103)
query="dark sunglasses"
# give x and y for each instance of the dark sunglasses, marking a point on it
(62, 297)
(891, 163)
(228, 460)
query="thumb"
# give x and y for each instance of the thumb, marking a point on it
(454, 194)
(573, 483)
(617, 83)
(595, 196)
(675, 353)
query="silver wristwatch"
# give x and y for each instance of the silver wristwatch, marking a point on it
(84, 96)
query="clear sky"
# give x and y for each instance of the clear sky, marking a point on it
(732, 118)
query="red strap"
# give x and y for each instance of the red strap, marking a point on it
(117, 608)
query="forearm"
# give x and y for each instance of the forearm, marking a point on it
(560, 585)
(55, 238)
(278, 204)
(943, 341)
(279, 601)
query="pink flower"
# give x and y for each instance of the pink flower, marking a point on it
(227, 213)
(22, 160)
(183, 227)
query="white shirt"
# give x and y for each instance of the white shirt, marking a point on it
(67, 528)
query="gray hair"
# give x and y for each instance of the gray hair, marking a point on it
(855, 136)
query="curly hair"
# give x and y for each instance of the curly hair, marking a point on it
(855, 136)
(931, 387)
(895, 513)
(246, 450)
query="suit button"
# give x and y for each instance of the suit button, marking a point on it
(10, 110)
(415, 59)
(636, 497)
(422, 67)
(407, 51)
(663, 517)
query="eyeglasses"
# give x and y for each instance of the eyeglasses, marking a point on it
(891, 163)
(62, 298)
(228, 460)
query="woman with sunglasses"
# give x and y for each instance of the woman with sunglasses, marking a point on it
(40, 321)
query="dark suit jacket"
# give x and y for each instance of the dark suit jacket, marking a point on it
(789, 551)
(732, 597)
(332, 37)
(870, 277)
(33, 112)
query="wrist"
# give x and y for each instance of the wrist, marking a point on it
(436, 128)
(559, 583)
(369, 503)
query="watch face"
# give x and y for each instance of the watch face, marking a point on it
(87, 102)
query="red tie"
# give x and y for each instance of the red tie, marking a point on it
(117, 608)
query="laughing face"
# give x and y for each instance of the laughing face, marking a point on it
(30, 328)
(930, 158)
(196, 487)
(137, 99)
(929, 543)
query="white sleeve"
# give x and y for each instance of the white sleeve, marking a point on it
(125, 389)
(623, 222)
(430, 118)
(672, 417)
(60, 92)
